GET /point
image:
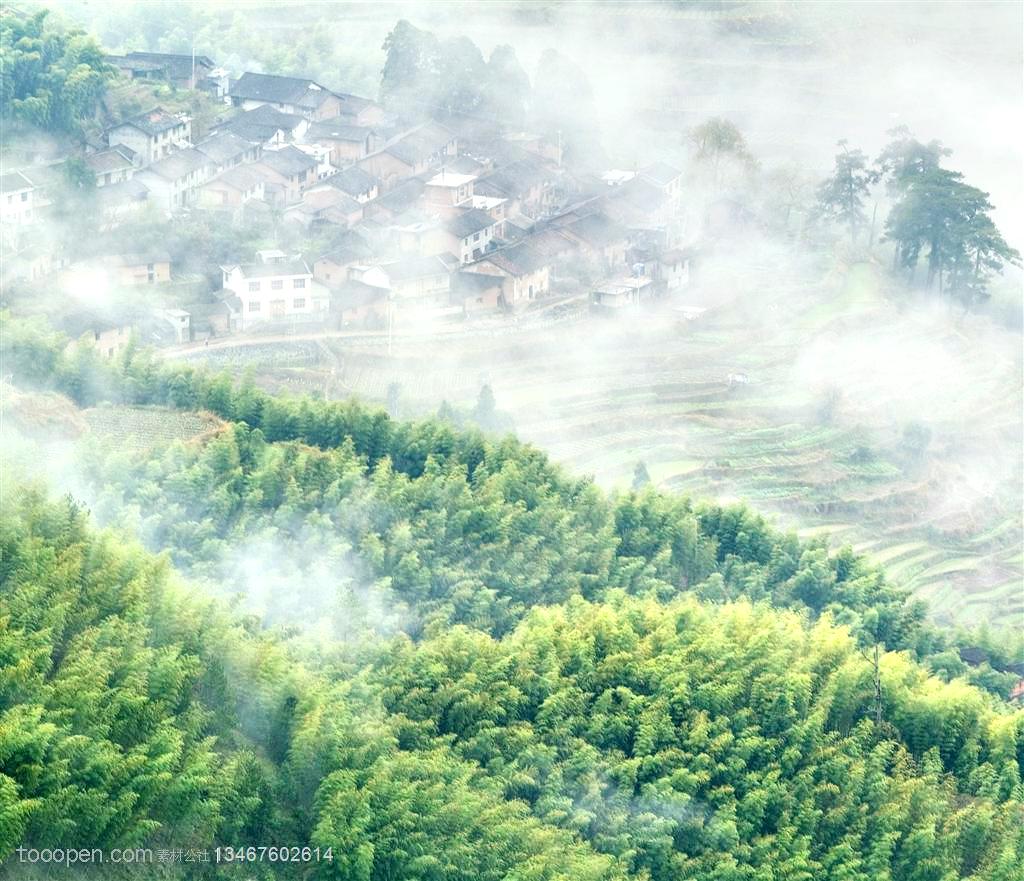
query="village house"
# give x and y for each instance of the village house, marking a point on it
(354, 182)
(526, 184)
(276, 289)
(639, 202)
(231, 189)
(266, 126)
(173, 182)
(17, 199)
(286, 172)
(391, 205)
(536, 144)
(226, 150)
(418, 282)
(118, 202)
(132, 270)
(332, 267)
(181, 71)
(552, 243)
(347, 143)
(152, 135)
(108, 332)
(665, 177)
(112, 166)
(412, 154)
(356, 303)
(301, 97)
(477, 291)
(325, 207)
(322, 155)
(214, 319)
(525, 273)
(615, 295)
(471, 232)
(673, 269)
(599, 238)
(361, 112)
(447, 189)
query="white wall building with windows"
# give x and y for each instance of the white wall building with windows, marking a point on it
(276, 289)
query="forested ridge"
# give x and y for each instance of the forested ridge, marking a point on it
(515, 675)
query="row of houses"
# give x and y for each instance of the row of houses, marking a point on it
(426, 217)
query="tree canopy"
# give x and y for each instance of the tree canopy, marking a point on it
(53, 77)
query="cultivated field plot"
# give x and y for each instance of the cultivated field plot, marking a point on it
(891, 426)
(141, 428)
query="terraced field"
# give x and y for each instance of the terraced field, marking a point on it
(891, 426)
(140, 428)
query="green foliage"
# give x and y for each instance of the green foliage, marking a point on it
(841, 197)
(691, 741)
(53, 78)
(523, 678)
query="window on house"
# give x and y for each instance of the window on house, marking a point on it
(277, 284)
(10, 199)
(254, 305)
(24, 197)
(299, 303)
(254, 286)
(299, 283)
(476, 238)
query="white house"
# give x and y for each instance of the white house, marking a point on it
(173, 182)
(152, 135)
(17, 202)
(276, 289)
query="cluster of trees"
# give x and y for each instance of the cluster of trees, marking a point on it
(522, 677)
(935, 215)
(53, 77)
(628, 738)
(427, 76)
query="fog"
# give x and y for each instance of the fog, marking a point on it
(877, 379)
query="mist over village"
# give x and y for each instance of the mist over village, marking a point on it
(528, 441)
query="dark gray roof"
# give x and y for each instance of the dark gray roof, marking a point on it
(469, 221)
(475, 282)
(261, 123)
(401, 197)
(132, 190)
(347, 248)
(177, 165)
(288, 161)
(597, 230)
(517, 259)
(417, 267)
(152, 122)
(353, 294)
(423, 143)
(514, 180)
(241, 178)
(352, 180)
(279, 90)
(661, 173)
(337, 130)
(177, 66)
(9, 183)
(353, 103)
(225, 146)
(109, 160)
